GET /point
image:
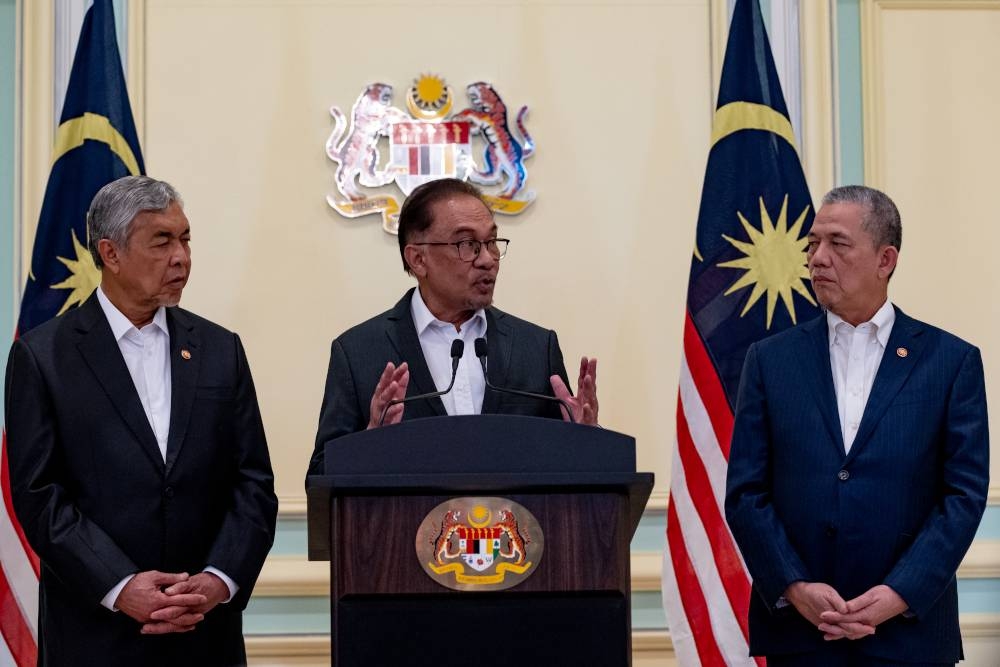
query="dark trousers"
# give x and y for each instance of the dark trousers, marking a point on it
(842, 653)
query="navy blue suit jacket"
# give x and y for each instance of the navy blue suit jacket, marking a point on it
(900, 509)
(521, 355)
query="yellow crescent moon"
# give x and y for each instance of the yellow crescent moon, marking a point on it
(483, 524)
(75, 131)
(417, 112)
(737, 116)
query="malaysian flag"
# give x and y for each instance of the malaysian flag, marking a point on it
(748, 280)
(95, 143)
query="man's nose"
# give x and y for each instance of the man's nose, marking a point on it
(179, 254)
(484, 259)
(819, 256)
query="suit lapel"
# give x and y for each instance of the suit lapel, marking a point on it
(403, 336)
(101, 353)
(822, 377)
(892, 374)
(499, 342)
(183, 378)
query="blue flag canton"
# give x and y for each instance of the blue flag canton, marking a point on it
(748, 276)
(96, 143)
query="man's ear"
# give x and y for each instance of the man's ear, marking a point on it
(888, 256)
(416, 260)
(110, 255)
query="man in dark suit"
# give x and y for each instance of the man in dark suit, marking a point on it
(448, 241)
(138, 464)
(858, 470)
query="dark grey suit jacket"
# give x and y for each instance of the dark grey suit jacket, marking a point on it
(522, 356)
(97, 502)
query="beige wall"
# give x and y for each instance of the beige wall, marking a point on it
(932, 139)
(236, 116)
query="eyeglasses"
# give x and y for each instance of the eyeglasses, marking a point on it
(468, 249)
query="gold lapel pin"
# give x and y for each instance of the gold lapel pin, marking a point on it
(901, 352)
(187, 355)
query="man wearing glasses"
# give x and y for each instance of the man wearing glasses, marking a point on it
(448, 242)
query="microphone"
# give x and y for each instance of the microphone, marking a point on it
(457, 348)
(481, 353)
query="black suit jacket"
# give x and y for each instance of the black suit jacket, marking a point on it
(901, 508)
(521, 355)
(97, 502)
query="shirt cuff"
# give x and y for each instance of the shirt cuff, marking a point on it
(108, 601)
(230, 584)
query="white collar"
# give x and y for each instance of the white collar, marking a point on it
(883, 319)
(423, 317)
(121, 325)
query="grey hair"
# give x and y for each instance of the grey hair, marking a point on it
(881, 218)
(116, 205)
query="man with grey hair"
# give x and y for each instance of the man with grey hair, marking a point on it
(138, 463)
(859, 462)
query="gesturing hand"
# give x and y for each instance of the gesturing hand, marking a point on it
(876, 605)
(145, 593)
(391, 386)
(584, 404)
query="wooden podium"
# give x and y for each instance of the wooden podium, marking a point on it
(574, 609)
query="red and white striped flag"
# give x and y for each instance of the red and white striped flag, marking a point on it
(750, 244)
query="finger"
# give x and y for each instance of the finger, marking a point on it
(393, 415)
(562, 393)
(401, 370)
(833, 599)
(177, 615)
(857, 630)
(559, 387)
(158, 578)
(592, 370)
(832, 631)
(180, 587)
(181, 600)
(864, 600)
(584, 365)
(164, 628)
(401, 384)
(589, 416)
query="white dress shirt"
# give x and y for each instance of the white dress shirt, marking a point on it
(466, 397)
(147, 355)
(855, 355)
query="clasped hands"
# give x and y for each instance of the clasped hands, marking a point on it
(837, 618)
(394, 380)
(165, 602)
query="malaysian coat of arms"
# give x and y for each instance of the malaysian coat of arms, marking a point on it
(429, 140)
(479, 544)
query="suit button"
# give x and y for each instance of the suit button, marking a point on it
(169, 492)
(843, 475)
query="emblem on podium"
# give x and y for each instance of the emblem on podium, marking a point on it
(426, 142)
(479, 544)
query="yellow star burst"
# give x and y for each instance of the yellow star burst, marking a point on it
(84, 276)
(775, 261)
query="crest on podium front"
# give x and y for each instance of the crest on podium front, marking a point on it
(481, 544)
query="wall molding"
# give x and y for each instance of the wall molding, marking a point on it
(872, 12)
(982, 561)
